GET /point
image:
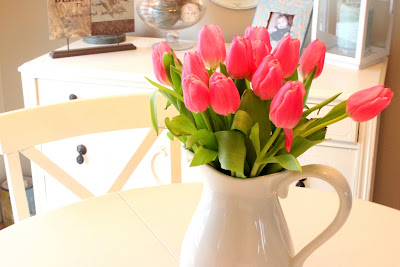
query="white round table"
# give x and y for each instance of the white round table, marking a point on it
(145, 227)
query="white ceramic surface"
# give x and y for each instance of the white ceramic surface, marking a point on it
(239, 222)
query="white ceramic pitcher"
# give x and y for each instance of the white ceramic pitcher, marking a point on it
(239, 222)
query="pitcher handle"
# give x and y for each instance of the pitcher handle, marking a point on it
(340, 184)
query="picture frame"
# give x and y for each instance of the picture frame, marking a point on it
(284, 17)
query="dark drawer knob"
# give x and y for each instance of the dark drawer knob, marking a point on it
(82, 151)
(72, 97)
(80, 159)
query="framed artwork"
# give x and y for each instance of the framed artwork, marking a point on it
(284, 17)
(79, 18)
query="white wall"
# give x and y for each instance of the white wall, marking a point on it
(1, 93)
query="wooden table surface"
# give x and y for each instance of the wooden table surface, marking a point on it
(145, 227)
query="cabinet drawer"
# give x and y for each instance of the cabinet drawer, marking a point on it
(52, 91)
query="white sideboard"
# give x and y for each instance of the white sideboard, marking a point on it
(351, 150)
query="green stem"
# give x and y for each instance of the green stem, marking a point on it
(319, 106)
(254, 170)
(323, 125)
(207, 120)
(229, 116)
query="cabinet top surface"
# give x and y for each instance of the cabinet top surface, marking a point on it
(133, 65)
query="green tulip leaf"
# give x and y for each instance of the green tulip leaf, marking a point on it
(217, 121)
(177, 69)
(231, 150)
(203, 156)
(337, 111)
(318, 135)
(180, 125)
(301, 145)
(176, 81)
(183, 139)
(153, 110)
(259, 111)
(320, 105)
(204, 138)
(170, 136)
(200, 123)
(294, 76)
(171, 95)
(287, 161)
(168, 60)
(302, 125)
(307, 84)
(255, 138)
(242, 122)
(222, 69)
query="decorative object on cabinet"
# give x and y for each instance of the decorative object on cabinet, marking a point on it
(284, 17)
(172, 15)
(109, 20)
(62, 121)
(357, 32)
(237, 4)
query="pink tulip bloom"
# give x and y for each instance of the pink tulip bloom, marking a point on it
(368, 103)
(287, 52)
(195, 94)
(268, 78)
(313, 56)
(224, 96)
(193, 64)
(260, 51)
(211, 45)
(258, 33)
(287, 109)
(239, 61)
(158, 65)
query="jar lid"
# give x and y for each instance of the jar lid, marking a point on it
(27, 182)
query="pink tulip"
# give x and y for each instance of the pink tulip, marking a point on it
(287, 52)
(211, 45)
(193, 64)
(287, 109)
(239, 61)
(268, 78)
(258, 33)
(224, 96)
(158, 65)
(313, 56)
(260, 51)
(195, 94)
(368, 103)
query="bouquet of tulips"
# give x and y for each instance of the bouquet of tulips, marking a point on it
(244, 112)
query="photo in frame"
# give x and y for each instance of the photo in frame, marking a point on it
(284, 17)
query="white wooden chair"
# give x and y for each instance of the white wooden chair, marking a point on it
(22, 130)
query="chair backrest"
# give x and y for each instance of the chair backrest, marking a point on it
(22, 130)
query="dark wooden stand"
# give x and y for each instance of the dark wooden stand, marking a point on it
(91, 50)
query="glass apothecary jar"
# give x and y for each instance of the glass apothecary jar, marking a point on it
(356, 32)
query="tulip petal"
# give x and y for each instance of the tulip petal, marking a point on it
(288, 139)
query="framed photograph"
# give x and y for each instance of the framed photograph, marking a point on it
(284, 17)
